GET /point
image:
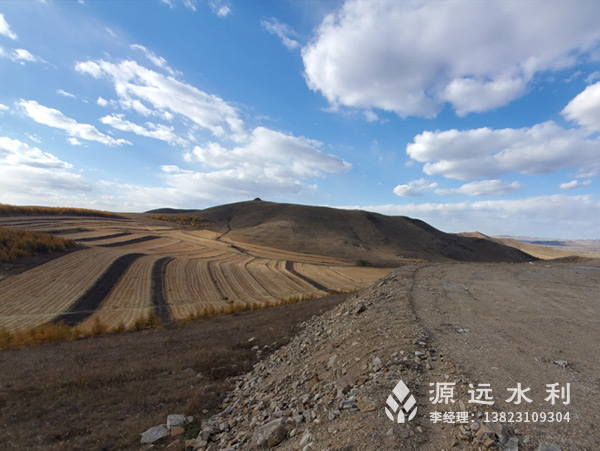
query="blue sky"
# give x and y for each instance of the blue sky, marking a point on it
(469, 115)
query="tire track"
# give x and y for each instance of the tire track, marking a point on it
(159, 300)
(89, 302)
(289, 266)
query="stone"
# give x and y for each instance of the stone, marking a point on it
(176, 420)
(376, 365)
(154, 434)
(562, 363)
(331, 361)
(271, 434)
(306, 438)
(177, 430)
(365, 404)
(189, 371)
(511, 445)
(200, 376)
(545, 446)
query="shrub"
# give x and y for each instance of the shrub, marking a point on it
(19, 243)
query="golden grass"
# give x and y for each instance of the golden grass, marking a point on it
(9, 210)
(193, 221)
(19, 243)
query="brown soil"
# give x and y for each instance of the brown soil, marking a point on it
(102, 393)
(351, 235)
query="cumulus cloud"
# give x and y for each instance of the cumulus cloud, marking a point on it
(56, 119)
(584, 109)
(4, 107)
(150, 130)
(5, 28)
(282, 31)
(270, 162)
(220, 8)
(413, 57)
(415, 188)
(135, 84)
(483, 188)
(484, 152)
(28, 171)
(558, 216)
(575, 184)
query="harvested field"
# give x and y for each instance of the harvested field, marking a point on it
(135, 266)
(89, 302)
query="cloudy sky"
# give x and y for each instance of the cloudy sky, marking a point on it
(469, 115)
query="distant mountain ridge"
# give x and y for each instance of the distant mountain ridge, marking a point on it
(351, 235)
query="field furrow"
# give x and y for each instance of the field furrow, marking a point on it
(89, 302)
(129, 299)
(50, 289)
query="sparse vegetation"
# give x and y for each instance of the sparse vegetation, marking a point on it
(197, 222)
(12, 210)
(363, 263)
(19, 243)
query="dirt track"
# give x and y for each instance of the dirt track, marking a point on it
(497, 324)
(509, 324)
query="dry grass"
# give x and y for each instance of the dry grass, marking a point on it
(193, 221)
(102, 393)
(11, 210)
(20, 243)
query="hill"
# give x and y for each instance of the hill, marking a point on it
(351, 235)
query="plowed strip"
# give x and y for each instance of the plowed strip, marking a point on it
(289, 266)
(87, 304)
(134, 241)
(104, 237)
(158, 289)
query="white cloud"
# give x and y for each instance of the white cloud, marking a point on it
(483, 188)
(370, 116)
(158, 61)
(4, 107)
(558, 216)
(575, 184)
(591, 78)
(5, 28)
(282, 31)
(56, 119)
(151, 130)
(27, 173)
(415, 188)
(484, 152)
(584, 109)
(102, 102)
(64, 93)
(74, 141)
(21, 56)
(134, 84)
(270, 162)
(413, 57)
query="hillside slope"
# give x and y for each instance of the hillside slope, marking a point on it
(352, 235)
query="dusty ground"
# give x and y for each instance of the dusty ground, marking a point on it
(497, 324)
(101, 393)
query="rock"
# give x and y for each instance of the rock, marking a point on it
(331, 361)
(306, 438)
(376, 365)
(349, 404)
(154, 434)
(199, 376)
(189, 371)
(358, 310)
(176, 420)
(545, 446)
(562, 363)
(475, 426)
(271, 434)
(511, 445)
(365, 404)
(420, 354)
(177, 430)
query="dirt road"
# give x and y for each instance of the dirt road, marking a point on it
(533, 324)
